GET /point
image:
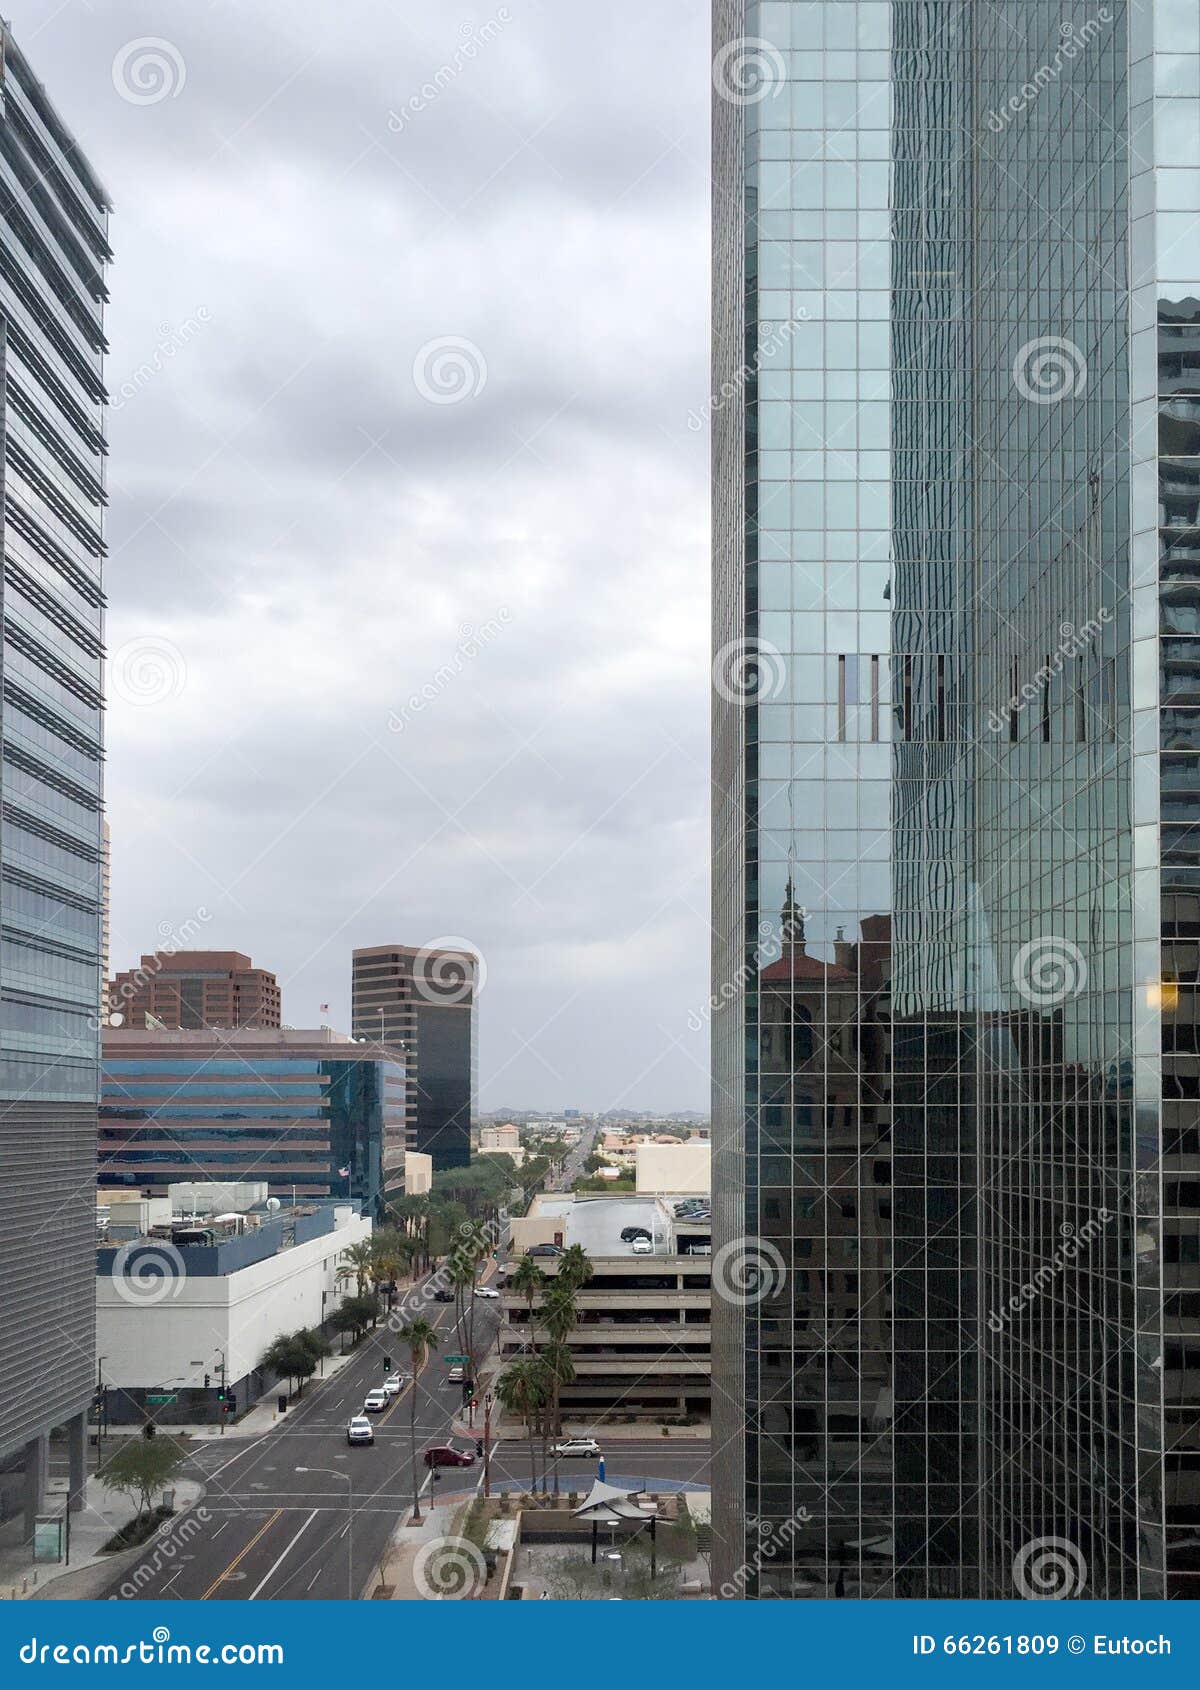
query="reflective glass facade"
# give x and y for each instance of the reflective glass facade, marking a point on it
(955, 299)
(53, 253)
(307, 1121)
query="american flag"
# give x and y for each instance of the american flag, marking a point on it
(344, 1173)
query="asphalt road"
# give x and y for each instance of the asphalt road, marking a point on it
(658, 1464)
(298, 1514)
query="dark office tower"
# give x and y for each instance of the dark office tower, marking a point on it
(53, 250)
(197, 990)
(424, 1001)
(956, 1111)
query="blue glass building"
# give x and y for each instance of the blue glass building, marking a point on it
(312, 1114)
(53, 253)
(956, 1107)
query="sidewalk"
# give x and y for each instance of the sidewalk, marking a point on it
(265, 1415)
(103, 1513)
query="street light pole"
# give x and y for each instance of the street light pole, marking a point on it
(349, 1482)
(487, 1443)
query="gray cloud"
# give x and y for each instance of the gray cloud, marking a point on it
(310, 536)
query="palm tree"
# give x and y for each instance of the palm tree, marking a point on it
(461, 1274)
(559, 1317)
(521, 1389)
(384, 1270)
(356, 1264)
(560, 1371)
(421, 1338)
(528, 1280)
(574, 1267)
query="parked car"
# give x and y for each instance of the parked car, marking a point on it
(375, 1402)
(486, 1291)
(442, 1295)
(544, 1250)
(360, 1430)
(577, 1446)
(629, 1233)
(643, 1247)
(441, 1455)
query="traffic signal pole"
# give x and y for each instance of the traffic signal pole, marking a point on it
(487, 1443)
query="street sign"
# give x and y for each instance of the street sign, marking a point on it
(456, 1361)
(161, 1399)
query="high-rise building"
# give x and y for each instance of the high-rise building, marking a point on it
(312, 1113)
(197, 989)
(53, 253)
(424, 1001)
(956, 1102)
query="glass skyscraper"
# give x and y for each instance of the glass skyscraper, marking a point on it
(53, 253)
(956, 438)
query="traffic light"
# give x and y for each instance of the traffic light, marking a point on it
(207, 1377)
(387, 1364)
(230, 1404)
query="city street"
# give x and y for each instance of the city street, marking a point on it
(298, 1513)
(649, 1463)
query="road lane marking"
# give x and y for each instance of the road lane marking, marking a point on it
(283, 1557)
(242, 1553)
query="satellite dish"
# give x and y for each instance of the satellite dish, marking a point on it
(273, 1203)
(116, 1019)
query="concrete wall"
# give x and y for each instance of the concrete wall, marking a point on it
(685, 1169)
(418, 1173)
(179, 1330)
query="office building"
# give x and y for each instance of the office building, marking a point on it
(183, 1316)
(53, 253)
(196, 989)
(956, 454)
(641, 1344)
(313, 1113)
(424, 1001)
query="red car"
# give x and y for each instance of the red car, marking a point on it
(441, 1455)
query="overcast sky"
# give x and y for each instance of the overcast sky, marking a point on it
(409, 311)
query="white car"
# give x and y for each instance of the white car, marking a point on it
(375, 1402)
(643, 1247)
(455, 1375)
(577, 1446)
(360, 1430)
(394, 1384)
(486, 1291)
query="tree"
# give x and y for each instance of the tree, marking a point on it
(559, 1317)
(521, 1389)
(362, 1312)
(315, 1342)
(290, 1357)
(142, 1467)
(527, 1280)
(344, 1320)
(574, 1267)
(560, 1371)
(356, 1264)
(421, 1339)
